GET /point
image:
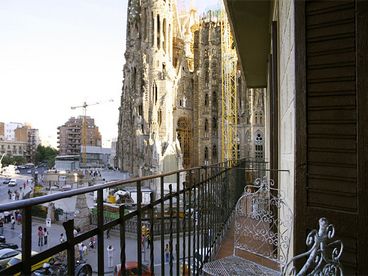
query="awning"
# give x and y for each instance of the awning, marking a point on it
(250, 21)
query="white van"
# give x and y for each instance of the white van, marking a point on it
(12, 182)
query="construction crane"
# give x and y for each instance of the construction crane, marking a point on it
(229, 61)
(84, 127)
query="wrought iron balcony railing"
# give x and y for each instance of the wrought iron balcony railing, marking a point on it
(192, 208)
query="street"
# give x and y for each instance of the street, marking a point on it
(56, 229)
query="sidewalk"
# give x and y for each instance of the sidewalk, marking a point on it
(14, 236)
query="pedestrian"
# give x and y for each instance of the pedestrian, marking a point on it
(148, 240)
(45, 234)
(80, 249)
(40, 236)
(85, 249)
(167, 253)
(110, 256)
(143, 241)
(75, 232)
(1, 227)
(9, 194)
(12, 221)
(6, 216)
(24, 185)
(19, 218)
(92, 242)
(62, 239)
(108, 233)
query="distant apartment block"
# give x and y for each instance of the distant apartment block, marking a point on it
(10, 130)
(19, 139)
(21, 133)
(70, 135)
(13, 148)
(33, 139)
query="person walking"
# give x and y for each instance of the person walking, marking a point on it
(40, 236)
(6, 216)
(110, 256)
(19, 218)
(45, 234)
(85, 249)
(9, 194)
(167, 253)
(62, 253)
(148, 240)
(12, 221)
(80, 249)
(92, 242)
(1, 227)
(62, 239)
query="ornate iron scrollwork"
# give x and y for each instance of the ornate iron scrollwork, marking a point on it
(323, 258)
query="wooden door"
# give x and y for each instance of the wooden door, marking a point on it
(331, 121)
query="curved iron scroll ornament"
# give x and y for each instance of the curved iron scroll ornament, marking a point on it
(263, 222)
(322, 258)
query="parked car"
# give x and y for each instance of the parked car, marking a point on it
(12, 183)
(8, 245)
(6, 255)
(18, 258)
(132, 269)
(6, 180)
(60, 269)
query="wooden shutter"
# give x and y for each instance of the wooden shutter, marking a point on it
(331, 154)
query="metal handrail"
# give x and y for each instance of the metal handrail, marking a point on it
(210, 182)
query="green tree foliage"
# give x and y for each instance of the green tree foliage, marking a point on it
(45, 155)
(12, 160)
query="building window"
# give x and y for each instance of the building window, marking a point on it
(158, 31)
(214, 123)
(259, 146)
(155, 93)
(159, 117)
(164, 35)
(214, 151)
(206, 100)
(206, 128)
(152, 30)
(214, 98)
(205, 154)
(140, 109)
(260, 117)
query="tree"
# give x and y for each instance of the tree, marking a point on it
(45, 155)
(13, 160)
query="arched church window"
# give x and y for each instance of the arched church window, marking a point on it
(205, 153)
(260, 115)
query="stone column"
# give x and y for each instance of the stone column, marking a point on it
(82, 217)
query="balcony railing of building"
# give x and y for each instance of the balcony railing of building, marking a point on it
(192, 207)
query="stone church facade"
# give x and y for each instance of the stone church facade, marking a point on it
(171, 99)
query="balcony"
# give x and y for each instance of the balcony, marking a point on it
(188, 216)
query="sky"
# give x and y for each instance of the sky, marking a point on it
(55, 54)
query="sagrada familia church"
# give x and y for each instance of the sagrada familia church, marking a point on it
(172, 103)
